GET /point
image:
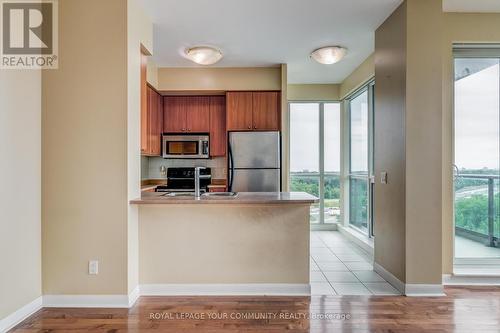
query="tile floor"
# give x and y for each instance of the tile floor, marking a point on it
(339, 267)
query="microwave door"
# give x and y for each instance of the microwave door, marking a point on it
(185, 146)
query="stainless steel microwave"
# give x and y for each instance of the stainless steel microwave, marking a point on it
(185, 146)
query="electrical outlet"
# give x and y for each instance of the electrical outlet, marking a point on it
(93, 267)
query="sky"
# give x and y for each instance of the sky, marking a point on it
(304, 138)
(477, 98)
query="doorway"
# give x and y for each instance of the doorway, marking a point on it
(476, 156)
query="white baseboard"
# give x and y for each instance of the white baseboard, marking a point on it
(427, 290)
(470, 280)
(21, 314)
(255, 289)
(133, 297)
(357, 238)
(413, 290)
(324, 227)
(389, 277)
(127, 301)
(86, 301)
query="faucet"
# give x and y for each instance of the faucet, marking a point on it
(197, 177)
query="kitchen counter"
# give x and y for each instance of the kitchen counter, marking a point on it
(148, 198)
(255, 241)
(151, 184)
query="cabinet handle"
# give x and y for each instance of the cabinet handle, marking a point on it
(249, 127)
(255, 127)
(183, 129)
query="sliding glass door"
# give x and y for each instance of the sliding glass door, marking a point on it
(315, 157)
(360, 159)
(477, 155)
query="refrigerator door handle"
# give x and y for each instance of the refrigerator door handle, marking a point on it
(231, 167)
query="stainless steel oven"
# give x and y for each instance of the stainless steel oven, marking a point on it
(185, 146)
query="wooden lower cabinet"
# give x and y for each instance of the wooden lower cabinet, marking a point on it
(218, 137)
(216, 189)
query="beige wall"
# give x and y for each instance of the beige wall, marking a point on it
(408, 138)
(20, 179)
(458, 28)
(358, 77)
(152, 73)
(219, 79)
(225, 244)
(423, 142)
(84, 146)
(389, 199)
(313, 92)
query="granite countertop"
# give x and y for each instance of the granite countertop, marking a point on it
(148, 198)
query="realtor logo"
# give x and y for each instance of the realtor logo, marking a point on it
(29, 34)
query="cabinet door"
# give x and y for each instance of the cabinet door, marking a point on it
(159, 127)
(266, 111)
(174, 114)
(144, 108)
(218, 126)
(198, 114)
(239, 111)
(155, 123)
(151, 119)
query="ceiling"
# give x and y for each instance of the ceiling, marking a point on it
(474, 6)
(269, 32)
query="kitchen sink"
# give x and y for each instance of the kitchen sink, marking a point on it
(179, 194)
(220, 194)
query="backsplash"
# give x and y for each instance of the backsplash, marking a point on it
(150, 166)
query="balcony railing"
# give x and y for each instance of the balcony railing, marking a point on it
(491, 237)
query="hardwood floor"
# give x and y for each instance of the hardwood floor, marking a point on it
(464, 309)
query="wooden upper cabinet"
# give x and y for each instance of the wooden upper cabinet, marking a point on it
(144, 107)
(218, 132)
(239, 110)
(198, 114)
(186, 114)
(174, 114)
(154, 123)
(253, 111)
(265, 111)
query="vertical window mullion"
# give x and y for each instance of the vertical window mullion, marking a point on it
(321, 163)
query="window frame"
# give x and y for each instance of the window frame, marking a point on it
(463, 51)
(368, 87)
(321, 225)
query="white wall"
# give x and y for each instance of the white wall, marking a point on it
(20, 188)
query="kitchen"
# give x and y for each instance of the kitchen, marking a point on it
(188, 131)
(211, 158)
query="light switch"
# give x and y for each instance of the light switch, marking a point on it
(93, 267)
(383, 177)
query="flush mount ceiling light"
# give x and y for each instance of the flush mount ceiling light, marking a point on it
(329, 55)
(204, 55)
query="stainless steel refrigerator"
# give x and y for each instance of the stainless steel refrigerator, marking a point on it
(254, 162)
